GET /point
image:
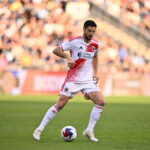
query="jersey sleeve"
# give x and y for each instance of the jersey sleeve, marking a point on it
(66, 46)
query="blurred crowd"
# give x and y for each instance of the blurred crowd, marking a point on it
(134, 13)
(31, 29)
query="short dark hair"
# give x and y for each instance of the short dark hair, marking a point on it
(90, 23)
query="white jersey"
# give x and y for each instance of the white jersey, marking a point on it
(83, 54)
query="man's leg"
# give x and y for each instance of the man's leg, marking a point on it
(99, 102)
(50, 114)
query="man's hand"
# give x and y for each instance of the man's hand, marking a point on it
(95, 78)
(58, 52)
(71, 62)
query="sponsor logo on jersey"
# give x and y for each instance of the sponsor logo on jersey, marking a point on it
(85, 55)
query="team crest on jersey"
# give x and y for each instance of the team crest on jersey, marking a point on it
(93, 48)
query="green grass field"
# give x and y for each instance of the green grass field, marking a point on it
(124, 125)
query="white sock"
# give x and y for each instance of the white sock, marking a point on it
(50, 114)
(94, 117)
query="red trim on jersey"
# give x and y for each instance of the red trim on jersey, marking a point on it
(91, 47)
(78, 37)
(72, 72)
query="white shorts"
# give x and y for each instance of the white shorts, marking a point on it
(70, 89)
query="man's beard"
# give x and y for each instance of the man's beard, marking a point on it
(88, 37)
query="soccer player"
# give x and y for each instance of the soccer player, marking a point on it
(82, 76)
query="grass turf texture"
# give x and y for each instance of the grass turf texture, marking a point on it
(124, 125)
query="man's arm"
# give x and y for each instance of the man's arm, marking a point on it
(95, 68)
(58, 51)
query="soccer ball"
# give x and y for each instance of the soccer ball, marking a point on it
(68, 133)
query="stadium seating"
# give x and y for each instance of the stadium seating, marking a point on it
(31, 29)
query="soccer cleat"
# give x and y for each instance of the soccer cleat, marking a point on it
(90, 135)
(37, 133)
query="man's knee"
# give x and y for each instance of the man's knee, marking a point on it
(102, 102)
